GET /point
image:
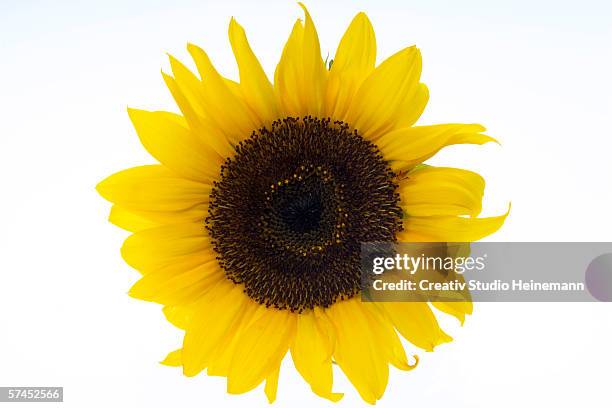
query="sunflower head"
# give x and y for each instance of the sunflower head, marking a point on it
(249, 229)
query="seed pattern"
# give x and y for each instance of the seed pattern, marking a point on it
(291, 208)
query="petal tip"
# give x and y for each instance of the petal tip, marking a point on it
(307, 17)
(191, 48)
(173, 60)
(490, 139)
(233, 26)
(135, 114)
(100, 188)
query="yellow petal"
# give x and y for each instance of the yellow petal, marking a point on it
(357, 351)
(459, 302)
(382, 101)
(260, 349)
(441, 191)
(222, 357)
(189, 102)
(185, 88)
(409, 146)
(175, 146)
(257, 89)
(353, 62)
(189, 85)
(449, 229)
(173, 359)
(150, 196)
(179, 316)
(300, 77)
(153, 248)
(214, 320)
(390, 344)
(456, 309)
(128, 220)
(153, 188)
(272, 385)
(311, 352)
(195, 214)
(412, 107)
(178, 283)
(225, 109)
(416, 323)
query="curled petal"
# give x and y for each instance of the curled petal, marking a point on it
(431, 190)
(312, 351)
(449, 229)
(407, 147)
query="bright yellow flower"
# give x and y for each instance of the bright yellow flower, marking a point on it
(248, 230)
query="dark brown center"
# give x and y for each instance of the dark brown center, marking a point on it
(292, 207)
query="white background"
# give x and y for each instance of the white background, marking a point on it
(538, 74)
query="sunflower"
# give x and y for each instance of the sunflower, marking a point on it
(248, 230)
